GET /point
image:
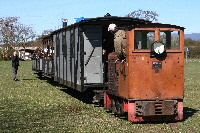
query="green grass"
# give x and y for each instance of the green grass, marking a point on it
(34, 105)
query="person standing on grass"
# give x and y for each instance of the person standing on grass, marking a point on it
(15, 64)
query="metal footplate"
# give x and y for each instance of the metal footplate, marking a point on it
(150, 108)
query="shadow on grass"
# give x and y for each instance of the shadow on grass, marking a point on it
(188, 112)
(78, 95)
(82, 96)
(29, 79)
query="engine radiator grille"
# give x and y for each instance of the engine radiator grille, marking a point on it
(149, 108)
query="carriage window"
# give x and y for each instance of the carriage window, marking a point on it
(144, 39)
(171, 39)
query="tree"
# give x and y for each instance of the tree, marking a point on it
(47, 32)
(144, 14)
(190, 42)
(7, 30)
(24, 34)
(13, 33)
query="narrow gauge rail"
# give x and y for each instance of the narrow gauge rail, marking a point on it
(133, 66)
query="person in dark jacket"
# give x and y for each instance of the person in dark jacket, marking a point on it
(15, 64)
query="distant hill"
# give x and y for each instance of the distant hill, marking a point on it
(193, 36)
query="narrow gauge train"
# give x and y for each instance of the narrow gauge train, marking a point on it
(137, 69)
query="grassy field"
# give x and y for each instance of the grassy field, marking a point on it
(35, 105)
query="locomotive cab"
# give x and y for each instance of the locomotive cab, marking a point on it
(148, 82)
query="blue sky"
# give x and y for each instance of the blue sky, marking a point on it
(47, 14)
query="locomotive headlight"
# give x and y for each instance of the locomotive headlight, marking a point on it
(158, 47)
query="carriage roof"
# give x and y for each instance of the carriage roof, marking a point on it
(128, 21)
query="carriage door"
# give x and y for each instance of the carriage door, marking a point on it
(93, 54)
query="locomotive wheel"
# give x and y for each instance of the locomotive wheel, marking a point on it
(122, 108)
(110, 108)
(119, 107)
(113, 106)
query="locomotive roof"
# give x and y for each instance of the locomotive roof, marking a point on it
(133, 22)
(158, 25)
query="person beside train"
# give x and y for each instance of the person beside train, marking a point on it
(15, 65)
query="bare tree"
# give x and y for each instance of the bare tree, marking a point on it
(47, 32)
(144, 14)
(37, 42)
(7, 30)
(24, 34)
(13, 33)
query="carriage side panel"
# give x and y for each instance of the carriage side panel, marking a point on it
(78, 63)
(55, 57)
(72, 42)
(60, 69)
(64, 49)
(93, 72)
(68, 58)
(76, 43)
